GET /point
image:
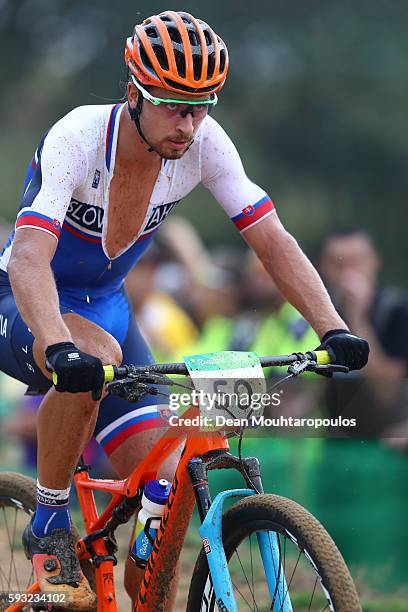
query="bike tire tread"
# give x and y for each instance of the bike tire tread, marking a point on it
(307, 530)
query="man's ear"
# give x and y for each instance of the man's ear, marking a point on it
(132, 94)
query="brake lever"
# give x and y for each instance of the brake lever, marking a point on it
(298, 367)
(329, 369)
(311, 366)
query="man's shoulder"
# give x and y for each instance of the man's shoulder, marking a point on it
(83, 128)
(214, 140)
(84, 119)
(210, 129)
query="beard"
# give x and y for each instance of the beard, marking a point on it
(166, 151)
(172, 154)
(163, 148)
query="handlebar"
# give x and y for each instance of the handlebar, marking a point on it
(132, 382)
(318, 357)
(311, 358)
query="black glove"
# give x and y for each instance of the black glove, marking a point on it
(345, 348)
(76, 371)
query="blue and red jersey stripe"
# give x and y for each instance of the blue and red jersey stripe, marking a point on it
(30, 218)
(121, 433)
(109, 134)
(253, 213)
(76, 232)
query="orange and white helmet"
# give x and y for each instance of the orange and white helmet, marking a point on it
(177, 52)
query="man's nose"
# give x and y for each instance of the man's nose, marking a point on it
(185, 124)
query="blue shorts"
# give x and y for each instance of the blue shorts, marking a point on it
(117, 419)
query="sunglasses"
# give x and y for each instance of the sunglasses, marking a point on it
(173, 107)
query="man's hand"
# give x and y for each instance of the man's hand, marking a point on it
(345, 348)
(76, 371)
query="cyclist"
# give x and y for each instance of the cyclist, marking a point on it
(101, 182)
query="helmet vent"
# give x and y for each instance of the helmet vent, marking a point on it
(174, 34)
(180, 62)
(211, 66)
(197, 64)
(222, 60)
(186, 88)
(194, 39)
(152, 33)
(146, 61)
(208, 38)
(161, 56)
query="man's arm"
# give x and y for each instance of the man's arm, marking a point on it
(36, 297)
(253, 213)
(293, 273)
(34, 286)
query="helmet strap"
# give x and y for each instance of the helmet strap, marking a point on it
(135, 116)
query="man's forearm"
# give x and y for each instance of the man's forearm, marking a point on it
(36, 297)
(298, 281)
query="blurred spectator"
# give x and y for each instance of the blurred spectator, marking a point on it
(240, 308)
(350, 266)
(281, 330)
(184, 243)
(10, 393)
(217, 301)
(21, 425)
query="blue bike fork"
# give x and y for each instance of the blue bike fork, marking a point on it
(211, 533)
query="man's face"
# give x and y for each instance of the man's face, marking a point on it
(166, 130)
(348, 255)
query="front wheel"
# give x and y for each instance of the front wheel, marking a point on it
(310, 573)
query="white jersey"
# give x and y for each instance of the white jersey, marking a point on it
(66, 193)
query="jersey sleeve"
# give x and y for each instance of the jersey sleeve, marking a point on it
(57, 168)
(223, 174)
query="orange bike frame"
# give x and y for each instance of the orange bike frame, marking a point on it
(162, 562)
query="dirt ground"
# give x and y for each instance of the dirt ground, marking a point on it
(21, 572)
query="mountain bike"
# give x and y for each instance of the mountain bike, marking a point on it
(263, 552)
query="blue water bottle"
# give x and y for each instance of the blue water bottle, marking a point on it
(154, 499)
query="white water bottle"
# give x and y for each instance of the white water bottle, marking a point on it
(154, 499)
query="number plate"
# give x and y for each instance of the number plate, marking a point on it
(230, 385)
